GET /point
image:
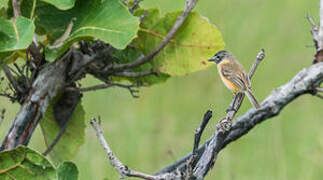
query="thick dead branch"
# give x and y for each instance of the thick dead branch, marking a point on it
(49, 82)
(302, 83)
(190, 4)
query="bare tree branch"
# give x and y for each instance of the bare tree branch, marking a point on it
(49, 82)
(132, 88)
(12, 80)
(95, 88)
(123, 170)
(260, 56)
(7, 96)
(314, 30)
(134, 6)
(319, 96)
(301, 84)
(190, 4)
(199, 131)
(320, 32)
(134, 74)
(317, 33)
(16, 7)
(3, 111)
(63, 111)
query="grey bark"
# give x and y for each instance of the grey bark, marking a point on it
(49, 82)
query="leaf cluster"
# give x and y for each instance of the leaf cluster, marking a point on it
(57, 26)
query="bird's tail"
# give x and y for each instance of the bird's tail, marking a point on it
(252, 99)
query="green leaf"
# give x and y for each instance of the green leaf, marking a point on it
(73, 137)
(67, 171)
(24, 163)
(16, 34)
(195, 42)
(61, 4)
(106, 20)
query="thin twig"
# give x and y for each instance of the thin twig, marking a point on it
(8, 96)
(57, 138)
(199, 131)
(197, 137)
(320, 32)
(259, 58)
(134, 6)
(11, 79)
(135, 74)
(123, 170)
(318, 95)
(143, 16)
(16, 7)
(3, 111)
(314, 30)
(190, 4)
(95, 88)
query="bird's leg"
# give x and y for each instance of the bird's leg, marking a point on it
(231, 108)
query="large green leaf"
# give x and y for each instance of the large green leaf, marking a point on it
(68, 145)
(67, 171)
(195, 42)
(24, 163)
(61, 4)
(16, 34)
(107, 20)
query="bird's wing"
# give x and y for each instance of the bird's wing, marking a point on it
(235, 77)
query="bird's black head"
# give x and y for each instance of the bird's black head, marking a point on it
(217, 58)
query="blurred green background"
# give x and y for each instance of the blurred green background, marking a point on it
(153, 131)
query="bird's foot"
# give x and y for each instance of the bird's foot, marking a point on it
(224, 125)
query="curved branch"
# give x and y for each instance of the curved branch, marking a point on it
(190, 4)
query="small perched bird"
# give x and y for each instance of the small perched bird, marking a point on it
(233, 75)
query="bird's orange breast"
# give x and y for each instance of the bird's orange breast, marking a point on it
(230, 85)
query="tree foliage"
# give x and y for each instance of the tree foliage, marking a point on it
(57, 26)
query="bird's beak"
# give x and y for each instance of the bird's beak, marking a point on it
(212, 59)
